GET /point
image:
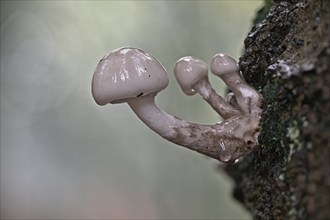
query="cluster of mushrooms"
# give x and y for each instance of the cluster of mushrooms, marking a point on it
(133, 76)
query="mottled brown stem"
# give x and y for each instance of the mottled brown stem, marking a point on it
(227, 141)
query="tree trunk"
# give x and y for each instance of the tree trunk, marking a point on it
(287, 57)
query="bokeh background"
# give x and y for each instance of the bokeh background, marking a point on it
(62, 156)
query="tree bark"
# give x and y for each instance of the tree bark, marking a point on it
(287, 57)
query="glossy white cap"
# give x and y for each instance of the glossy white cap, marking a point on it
(188, 71)
(127, 73)
(222, 64)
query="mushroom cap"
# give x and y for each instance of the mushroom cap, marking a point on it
(222, 64)
(127, 73)
(188, 71)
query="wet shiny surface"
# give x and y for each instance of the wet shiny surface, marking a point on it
(126, 73)
(188, 71)
(223, 64)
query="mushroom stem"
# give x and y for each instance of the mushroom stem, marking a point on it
(155, 118)
(247, 97)
(218, 103)
(226, 141)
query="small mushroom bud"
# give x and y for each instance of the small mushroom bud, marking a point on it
(192, 76)
(133, 76)
(230, 97)
(248, 99)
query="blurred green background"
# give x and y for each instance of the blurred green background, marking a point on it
(62, 156)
